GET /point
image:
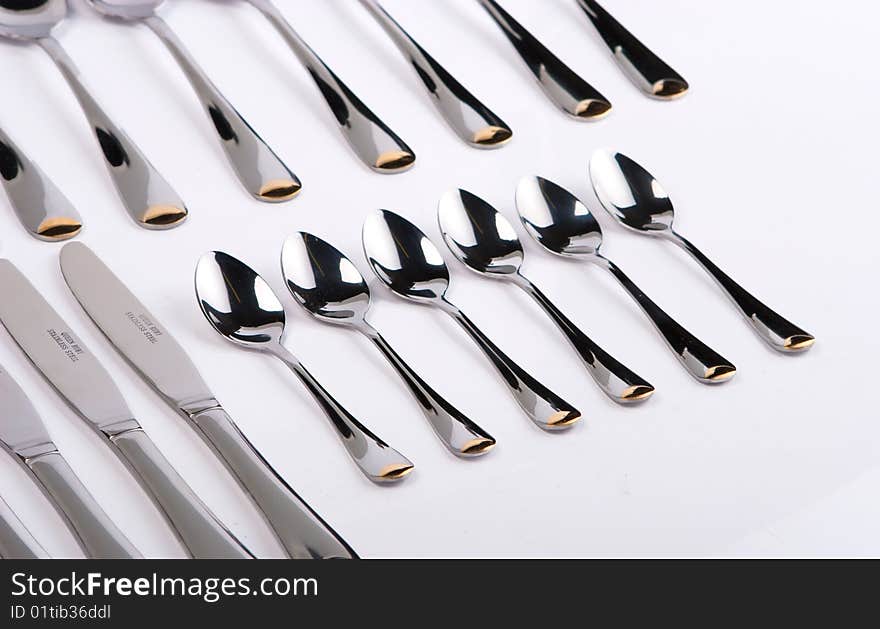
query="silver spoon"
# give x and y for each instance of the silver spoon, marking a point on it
(147, 197)
(480, 237)
(242, 307)
(564, 225)
(326, 283)
(474, 123)
(561, 84)
(374, 143)
(407, 261)
(648, 71)
(638, 201)
(258, 168)
(41, 207)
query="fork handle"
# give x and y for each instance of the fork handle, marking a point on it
(147, 197)
(778, 332)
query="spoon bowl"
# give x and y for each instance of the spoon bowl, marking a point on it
(478, 235)
(324, 281)
(237, 302)
(126, 9)
(630, 193)
(557, 219)
(30, 19)
(404, 258)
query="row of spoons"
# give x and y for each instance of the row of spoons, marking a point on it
(152, 202)
(242, 307)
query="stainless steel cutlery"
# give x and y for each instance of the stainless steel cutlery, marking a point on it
(24, 436)
(243, 309)
(148, 198)
(40, 206)
(80, 379)
(329, 286)
(374, 143)
(638, 201)
(474, 123)
(151, 349)
(406, 260)
(486, 243)
(562, 85)
(257, 167)
(16, 540)
(648, 71)
(564, 226)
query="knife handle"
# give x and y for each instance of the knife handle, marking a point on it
(98, 536)
(301, 531)
(16, 541)
(204, 536)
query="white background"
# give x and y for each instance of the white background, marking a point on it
(767, 159)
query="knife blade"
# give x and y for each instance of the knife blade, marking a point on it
(16, 541)
(24, 435)
(86, 386)
(164, 364)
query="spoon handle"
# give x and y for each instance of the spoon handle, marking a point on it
(98, 536)
(258, 168)
(561, 84)
(204, 536)
(701, 361)
(643, 67)
(778, 332)
(615, 379)
(474, 123)
(147, 197)
(40, 206)
(544, 408)
(16, 541)
(376, 459)
(458, 433)
(374, 143)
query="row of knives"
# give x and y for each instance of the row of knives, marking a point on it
(59, 353)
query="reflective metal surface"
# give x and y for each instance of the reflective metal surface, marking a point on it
(406, 260)
(16, 541)
(147, 197)
(164, 364)
(242, 307)
(371, 139)
(84, 384)
(474, 123)
(638, 201)
(329, 286)
(24, 436)
(41, 207)
(560, 83)
(564, 225)
(258, 168)
(484, 240)
(650, 73)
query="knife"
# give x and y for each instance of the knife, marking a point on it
(16, 541)
(87, 387)
(23, 434)
(164, 364)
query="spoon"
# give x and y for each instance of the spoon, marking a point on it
(480, 237)
(648, 71)
(258, 168)
(407, 261)
(243, 308)
(560, 83)
(147, 197)
(41, 207)
(329, 286)
(638, 201)
(474, 123)
(564, 225)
